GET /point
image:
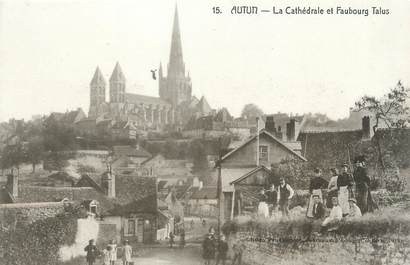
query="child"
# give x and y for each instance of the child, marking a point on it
(126, 258)
(107, 255)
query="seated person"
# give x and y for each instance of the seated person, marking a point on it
(354, 210)
(318, 210)
(335, 216)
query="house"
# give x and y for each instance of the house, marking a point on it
(61, 179)
(331, 148)
(168, 169)
(134, 199)
(135, 154)
(204, 202)
(249, 164)
(124, 204)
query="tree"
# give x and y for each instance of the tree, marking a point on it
(251, 111)
(390, 111)
(12, 157)
(34, 151)
(200, 161)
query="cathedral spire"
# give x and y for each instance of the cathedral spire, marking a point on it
(117, 75)
(98, 78)
(176, 63)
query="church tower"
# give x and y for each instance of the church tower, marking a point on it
(117, 85)
(97, 93)
(176, 87)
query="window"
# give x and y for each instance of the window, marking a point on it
(263, 153)
(93, 207)
(131, 227)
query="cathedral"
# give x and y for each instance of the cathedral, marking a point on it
(174, 106)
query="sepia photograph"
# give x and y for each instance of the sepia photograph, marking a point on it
(204, 132)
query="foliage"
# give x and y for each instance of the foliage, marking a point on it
(199, 157)
(251, 111)
(295, 172)
(59, 136)
(395, 182)
(39, 243)
(390, 111)
(35, 150)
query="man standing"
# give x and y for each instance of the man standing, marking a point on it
(285, 193)
(344, 186)
(362, 184)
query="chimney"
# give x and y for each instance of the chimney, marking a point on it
(270, 125)
(109, 184)
(366, 127)
(13, 185)
(195, 182)
(291, 130)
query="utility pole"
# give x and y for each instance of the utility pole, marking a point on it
(219, 185)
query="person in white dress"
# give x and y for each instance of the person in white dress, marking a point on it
(113, 252)
(335, 216)
(263, 209)
(354, 210)
(126, 259)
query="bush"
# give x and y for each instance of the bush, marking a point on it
(39, 243)
(395, 183)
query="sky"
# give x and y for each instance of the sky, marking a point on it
(295, 64)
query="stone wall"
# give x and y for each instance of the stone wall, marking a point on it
(28, 212)
(325, 250)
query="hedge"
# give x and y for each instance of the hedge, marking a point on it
(39, 243)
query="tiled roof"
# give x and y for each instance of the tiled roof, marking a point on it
(34, 194)
(272, 138)
(138, 99)
(98, 78)
(206, 193)
(126, 150)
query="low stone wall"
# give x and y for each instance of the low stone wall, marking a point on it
(321, 250)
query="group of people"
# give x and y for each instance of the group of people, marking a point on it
(347, 195)
(275, 197)
(109, 254)
(213, 248)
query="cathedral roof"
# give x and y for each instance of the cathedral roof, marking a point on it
(98, 78)
(117, 74)
(203, 106)
(138, 99)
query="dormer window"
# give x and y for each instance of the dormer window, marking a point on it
(93, 207)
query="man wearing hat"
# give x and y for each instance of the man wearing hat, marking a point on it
(362, 181)
(344, 186)
(354, 210)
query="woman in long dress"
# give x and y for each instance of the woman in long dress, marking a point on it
(344, 185)
(263, 209)
(332, 188)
